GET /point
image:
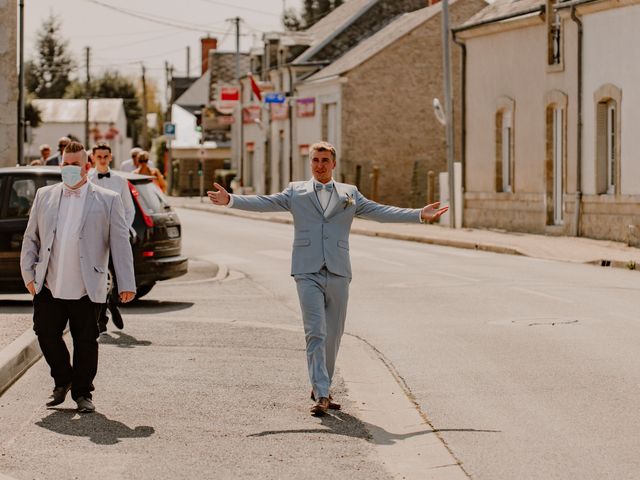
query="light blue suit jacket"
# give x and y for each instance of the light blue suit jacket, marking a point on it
(319, 239)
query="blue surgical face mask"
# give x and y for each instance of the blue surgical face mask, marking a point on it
(71, 175)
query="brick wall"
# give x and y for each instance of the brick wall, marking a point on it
(387, 115)
(8, 83)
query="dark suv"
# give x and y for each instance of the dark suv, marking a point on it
(156, 246)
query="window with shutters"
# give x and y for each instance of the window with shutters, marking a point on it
(607, 148)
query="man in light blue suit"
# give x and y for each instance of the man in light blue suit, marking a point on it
(323, 211)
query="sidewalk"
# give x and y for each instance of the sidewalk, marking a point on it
(565, 249)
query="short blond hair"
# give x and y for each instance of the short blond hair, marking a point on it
(76, 147)
(322, 147)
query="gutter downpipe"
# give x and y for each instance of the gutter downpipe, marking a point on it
(291, 142)
(241, 133)
(463, 112)
(578, 208)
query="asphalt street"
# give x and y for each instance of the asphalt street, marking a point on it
(527, 368)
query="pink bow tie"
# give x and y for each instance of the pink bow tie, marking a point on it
(71, 193)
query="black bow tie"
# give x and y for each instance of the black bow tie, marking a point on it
(102, 175)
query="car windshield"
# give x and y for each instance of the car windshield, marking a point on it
(151, 197)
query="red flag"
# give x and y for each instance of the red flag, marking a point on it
(255, 87)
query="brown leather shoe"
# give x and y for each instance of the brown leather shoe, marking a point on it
(332, 405)
(321, 407)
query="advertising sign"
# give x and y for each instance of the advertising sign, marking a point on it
(306, 107)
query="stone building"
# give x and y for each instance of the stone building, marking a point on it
(8, 84)
(550, 119)
(381, 93)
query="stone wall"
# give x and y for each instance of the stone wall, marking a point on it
(8, 83)
(387, 115)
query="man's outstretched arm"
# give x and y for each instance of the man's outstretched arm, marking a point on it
(371, 210)
(278, 202)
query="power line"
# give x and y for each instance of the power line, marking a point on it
(156, 18)
(238, 7)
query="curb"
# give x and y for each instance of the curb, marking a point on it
(16, 359)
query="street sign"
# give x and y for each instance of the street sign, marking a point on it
(274, 97)
(169, 130)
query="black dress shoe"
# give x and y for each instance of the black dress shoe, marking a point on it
(116, 318)
(58, 395)
(102, 327)
(85, 405)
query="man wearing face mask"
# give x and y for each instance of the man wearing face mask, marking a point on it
(64, 261)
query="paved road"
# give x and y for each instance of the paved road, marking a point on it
(528, 367)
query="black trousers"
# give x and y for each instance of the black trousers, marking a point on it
(50, 317)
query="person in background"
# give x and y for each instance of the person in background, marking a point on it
(57, 158)
(145, 169)
(45, 153)
(102, 176)
(131, 164)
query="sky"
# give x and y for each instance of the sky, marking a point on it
(121, 40)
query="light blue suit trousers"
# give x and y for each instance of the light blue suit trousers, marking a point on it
(320, 262)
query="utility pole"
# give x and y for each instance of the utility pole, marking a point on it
(21, 122)
(145, 129)
(188, 61)
(448, 110)
(87, 96)
(237, 22)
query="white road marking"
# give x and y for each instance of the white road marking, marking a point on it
(542, 294)
(454, 275)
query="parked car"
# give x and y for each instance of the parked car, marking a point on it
(156, 245)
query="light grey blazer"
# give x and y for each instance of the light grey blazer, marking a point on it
(103, 228)
(318, 239)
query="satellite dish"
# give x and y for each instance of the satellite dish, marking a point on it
(439, 112)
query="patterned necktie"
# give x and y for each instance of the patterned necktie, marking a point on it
(327, 186)
(71, 193)
(102, 175)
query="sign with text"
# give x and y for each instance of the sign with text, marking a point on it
(251, 114)
(169, 130)
(306, 107)
(274, 97)
(279, 111)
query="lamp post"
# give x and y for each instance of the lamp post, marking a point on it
(448, 109)
(21, 115)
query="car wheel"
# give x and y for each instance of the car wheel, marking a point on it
(143, 290)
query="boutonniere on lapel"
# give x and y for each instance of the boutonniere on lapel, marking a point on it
(350, 200)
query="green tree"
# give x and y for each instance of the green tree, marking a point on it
(113, 85)
(312, 12)
(47, 73)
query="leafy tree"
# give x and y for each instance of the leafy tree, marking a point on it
(47, 73)
(312, 12)
(113, 85)
(32, 114)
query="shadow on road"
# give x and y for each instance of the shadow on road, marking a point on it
(341, 423)
(150, 307)
(16, 306)
(122, 340)
(95, 426)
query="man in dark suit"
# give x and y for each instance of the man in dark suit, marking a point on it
(57, 158)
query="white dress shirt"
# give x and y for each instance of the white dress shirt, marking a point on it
(328, 200)
(64, 278)
(119, 185)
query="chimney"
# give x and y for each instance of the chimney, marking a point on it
(207, 44)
